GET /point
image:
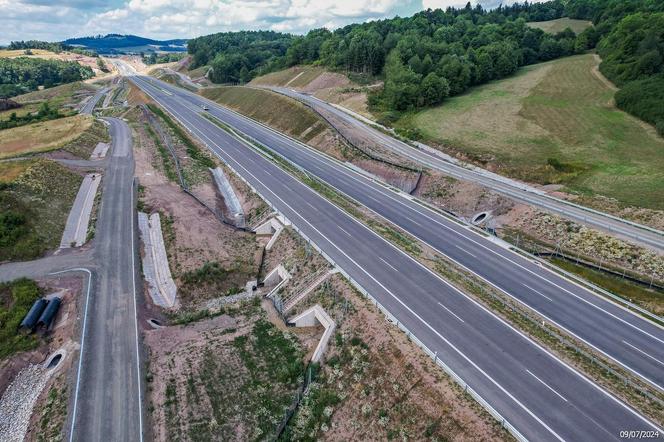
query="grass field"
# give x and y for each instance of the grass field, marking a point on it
(270, 108)
(297, 76)
(554, 122)
(34, 208)
(42, 137)
(42, 53)
(10, 170)
(560, 24)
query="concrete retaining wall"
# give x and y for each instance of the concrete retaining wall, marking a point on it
(76, 229)
(160, 283)
(230, 198)
(310, 318)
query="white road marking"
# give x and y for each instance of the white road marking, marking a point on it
(547, 385)
(80, 353)
(641, 351)
(202, 135)
(412, 220)
(344, 230)
(466, 358)
(536, 291)
(464, 250)
(389, 265)
(451, 312)
(311, 205)
(133, 284)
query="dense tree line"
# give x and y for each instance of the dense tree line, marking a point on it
(56, 47)
(239, 56)
(155, 58)
(22, 74)
(629, 36)
(37, 44)
(437, 53)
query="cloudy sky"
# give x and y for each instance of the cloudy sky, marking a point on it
(55, 20)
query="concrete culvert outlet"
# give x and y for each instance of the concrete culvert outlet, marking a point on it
(480, 217)
(154, 323)
(55, 361)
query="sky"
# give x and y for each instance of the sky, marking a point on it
(57, 20)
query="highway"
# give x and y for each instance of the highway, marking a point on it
(542, 397)
(108, 392)
(517, 191)
(628, 339)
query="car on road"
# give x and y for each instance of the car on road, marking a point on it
(205, 108)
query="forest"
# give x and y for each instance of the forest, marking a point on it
(437, 53)
(23, 74)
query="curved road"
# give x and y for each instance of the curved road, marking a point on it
(517, 191)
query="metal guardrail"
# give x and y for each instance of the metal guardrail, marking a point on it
(467, 388)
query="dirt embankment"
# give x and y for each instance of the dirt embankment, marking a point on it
(193, 235)
(46, 419)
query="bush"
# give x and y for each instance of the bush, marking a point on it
(645, 100)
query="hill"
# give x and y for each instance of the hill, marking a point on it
(553, 122)
(126, 44)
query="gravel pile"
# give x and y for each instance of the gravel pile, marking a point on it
(17, 402)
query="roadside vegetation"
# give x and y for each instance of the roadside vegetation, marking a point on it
(280, 112)
(552, 123)
(16, 298)
(23, 74)
(649, 298)
(42, 136)
(35, 198)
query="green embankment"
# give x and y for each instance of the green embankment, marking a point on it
(282, 113)
(553, 122)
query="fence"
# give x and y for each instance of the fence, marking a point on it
(476, 396)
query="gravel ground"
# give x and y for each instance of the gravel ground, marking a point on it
(17, 402)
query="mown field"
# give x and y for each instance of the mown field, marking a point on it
(560, 24)
(553, 122)
(271, 108)
(42, 137)
(297, 76)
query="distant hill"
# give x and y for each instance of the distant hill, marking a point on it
(126, 44)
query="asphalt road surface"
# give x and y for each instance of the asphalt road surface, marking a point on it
(542, 397)
(606, 222)
(630, 340)
(92, 102)
(108, 398)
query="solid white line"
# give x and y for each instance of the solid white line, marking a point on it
(451, 312)
(380, 189)
(547, 385)
(133, 282)
(317, 156)
(638, 349)
(80, 353)
(388, 264)
(581, 376)
(464, 250)
(459, 352)
(539, 293)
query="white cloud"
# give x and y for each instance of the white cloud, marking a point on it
(443, 4)
(60, 19)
